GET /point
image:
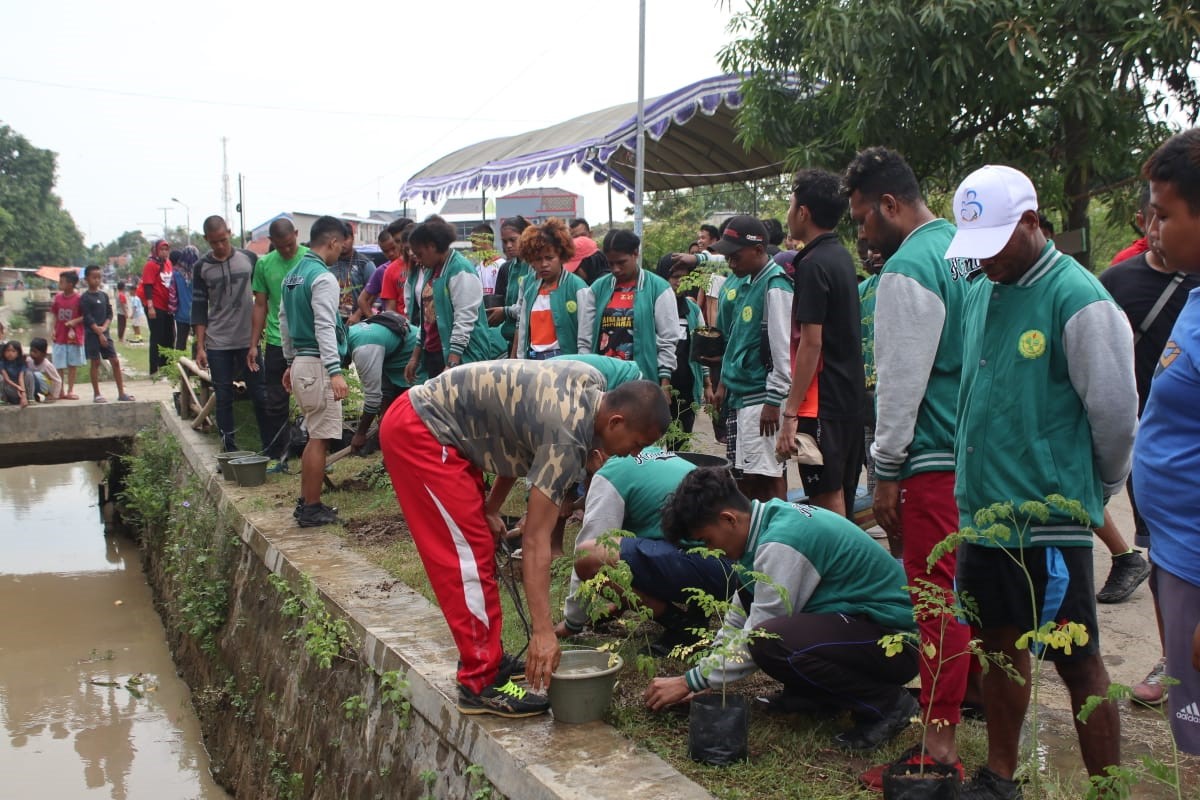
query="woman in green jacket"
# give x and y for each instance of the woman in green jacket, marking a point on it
(550, 299)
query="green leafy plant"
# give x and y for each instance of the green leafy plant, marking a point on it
(1119, 780)
(325, 637)
(354, 707)
(395, 693)
(428, 778)
(609, 592)
(478, 786)
(288, 785)
(150, 489)
(198, 552)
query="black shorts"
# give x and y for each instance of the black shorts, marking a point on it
(996, 583)
(94, 352)
(841, 445)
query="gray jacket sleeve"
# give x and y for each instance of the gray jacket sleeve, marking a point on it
(666, 332)
(466, 295)
(522, 335)
(908, 327)
(604, 511)
(1099, 348)
(587, 322)
(368, 361)
(325, 320)
(794, 581)
(778, 316)
(285, 336)
(199, 296)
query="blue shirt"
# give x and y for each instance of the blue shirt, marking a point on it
(1166, 455)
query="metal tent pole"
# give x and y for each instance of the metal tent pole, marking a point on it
(639, 175)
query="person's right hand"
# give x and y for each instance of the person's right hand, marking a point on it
(286, 380)
(100, 337)
(496, 525)
(252, 359)
(340, 387)
(150, 313)
(201, 358)
(410, 371)
(358, 441)
(541, 659)
(495, 316)
(688, 259)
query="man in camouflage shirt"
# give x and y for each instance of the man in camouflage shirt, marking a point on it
(515, 418)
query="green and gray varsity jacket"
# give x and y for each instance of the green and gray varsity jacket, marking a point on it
(655, 323)
(746, 305)
(568, 301)
(1048, 403)
(309, 323)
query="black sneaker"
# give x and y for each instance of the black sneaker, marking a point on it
(511, 668)
(987, 785)
(503, 699)
(1128, 572)
(299, 508)
(868, 734)
(316, 515)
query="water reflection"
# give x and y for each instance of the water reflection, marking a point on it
(76, 724)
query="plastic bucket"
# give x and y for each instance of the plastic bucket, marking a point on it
(250, 471)
(223, 462)
(581, 688)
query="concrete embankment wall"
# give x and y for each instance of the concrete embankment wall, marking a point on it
(275, 720)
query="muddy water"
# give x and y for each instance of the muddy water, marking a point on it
(89, 700)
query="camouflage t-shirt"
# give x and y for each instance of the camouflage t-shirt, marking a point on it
(516, 417)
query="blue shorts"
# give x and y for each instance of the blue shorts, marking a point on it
(68, 355)
(663, 571)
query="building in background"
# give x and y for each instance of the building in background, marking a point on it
(366, 229)
(539, 203)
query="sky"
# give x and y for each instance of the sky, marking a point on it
(327, 107)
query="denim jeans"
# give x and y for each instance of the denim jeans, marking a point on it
(225, 366)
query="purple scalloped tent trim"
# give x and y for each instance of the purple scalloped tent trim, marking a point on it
(591, 154)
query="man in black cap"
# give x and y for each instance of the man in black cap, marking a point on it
(755, 317)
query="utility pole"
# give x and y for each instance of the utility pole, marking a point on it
(241, 209)
(165, 209)
(187, 211)
(225, 200)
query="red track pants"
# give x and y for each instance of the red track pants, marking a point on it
(442, 497)
(929, 513)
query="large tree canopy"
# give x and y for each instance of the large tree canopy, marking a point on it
(1071, 91)
(34, 227)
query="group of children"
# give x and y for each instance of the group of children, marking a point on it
(81, 336)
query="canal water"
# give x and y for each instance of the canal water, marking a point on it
(89, 699)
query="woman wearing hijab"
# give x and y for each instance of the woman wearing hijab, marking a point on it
(180, 300)
(156, 284)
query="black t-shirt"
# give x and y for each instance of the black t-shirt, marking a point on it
(95, 310)
(1136, 286)
(827, 295)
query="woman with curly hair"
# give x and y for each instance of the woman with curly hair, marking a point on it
(550, 299)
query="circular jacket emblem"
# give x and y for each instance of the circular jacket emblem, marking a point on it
(572, 306)
(731, 294)
(1032, 344)
(747, 313)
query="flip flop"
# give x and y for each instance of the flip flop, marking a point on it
(70, 397)
(99, 399)
(126, 398)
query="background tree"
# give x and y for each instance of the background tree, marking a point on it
(1070, 91)
(34, 227)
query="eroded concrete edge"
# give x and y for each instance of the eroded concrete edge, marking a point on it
(400, 629)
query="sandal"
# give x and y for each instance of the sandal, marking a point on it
(126, 398)
(70, 397)
(99, 399)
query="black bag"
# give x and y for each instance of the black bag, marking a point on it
(393, 321)
(903, 781)
(718, 727)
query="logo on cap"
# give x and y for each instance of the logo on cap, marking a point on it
(730, 233)
(971, 209)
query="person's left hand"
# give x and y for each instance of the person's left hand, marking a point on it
(340, 387)
(768, 421)
(887, 507)
(541, 659)
(496, 525)
(358, 441)
(785, 442)
(453, 361)
(102, 339)
(663, 692)
(286, 380)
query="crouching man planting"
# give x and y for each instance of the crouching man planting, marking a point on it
(826, 594)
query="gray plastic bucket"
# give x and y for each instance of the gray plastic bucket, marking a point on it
(223, 460)
(250, 471)
(581, 688)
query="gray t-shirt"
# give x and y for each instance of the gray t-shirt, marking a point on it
(516, 417)
(222, 300)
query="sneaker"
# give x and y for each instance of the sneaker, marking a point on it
(316, 515)
(1152, 691)
(278, 468)
(987, 785)
(502, 699)
(1128, 572)
(868, 734)
(511, 668)
(913, 761)
(299, 507)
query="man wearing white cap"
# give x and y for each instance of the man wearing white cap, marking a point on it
(1048, 405)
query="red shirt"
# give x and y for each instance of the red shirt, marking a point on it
(66, 308)
(1136, 249)
(394, 276)
(159, 277)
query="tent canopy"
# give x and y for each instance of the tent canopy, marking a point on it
(691, 141)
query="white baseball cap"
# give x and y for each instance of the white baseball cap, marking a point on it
(988, 204)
